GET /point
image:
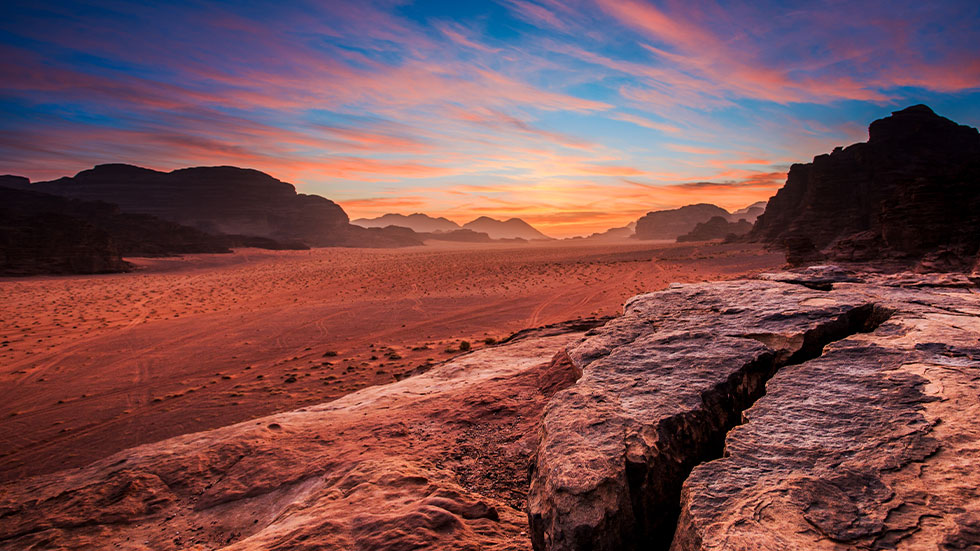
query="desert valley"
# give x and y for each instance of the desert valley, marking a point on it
(518, 275)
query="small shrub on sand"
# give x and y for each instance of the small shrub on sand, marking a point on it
(464, 346)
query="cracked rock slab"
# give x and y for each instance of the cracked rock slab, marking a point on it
(873, 445)
(660, 388)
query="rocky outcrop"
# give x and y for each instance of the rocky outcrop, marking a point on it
(222, 200)
(47, 234)
(670, 224)
(435, 461)
(716, 228)
(51, 243)
(514, 228)
(15, 182)
(418, 222)
(873, 445)
(842, 451)
(613, 234)
(750, 213)
(909, 194)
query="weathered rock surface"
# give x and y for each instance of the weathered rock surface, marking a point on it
(223, 200)
(828, 456)
(911, 193)
(717, 227)
(670, 224)
(436, 461)
(873, 445)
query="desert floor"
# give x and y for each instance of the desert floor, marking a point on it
(90, 365)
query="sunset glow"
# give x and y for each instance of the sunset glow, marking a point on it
(575, 116)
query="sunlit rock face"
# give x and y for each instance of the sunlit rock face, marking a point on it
(841, 392)
(438, 460)
(911, 193)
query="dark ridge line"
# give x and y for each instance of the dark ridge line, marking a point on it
(730, 399)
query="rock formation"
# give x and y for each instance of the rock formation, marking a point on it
(15, 182)
(818, 409)
(52, 243)
(865, 435)
(911, 194)
(750, 213)
(717, 228)
(223, 200)
(418, 222)
(47, 234)
(435, 461)
(670, 224)
(613, 234)
(514, 228)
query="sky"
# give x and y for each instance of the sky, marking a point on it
(576, 116)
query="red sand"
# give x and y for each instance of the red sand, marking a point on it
(95, 364)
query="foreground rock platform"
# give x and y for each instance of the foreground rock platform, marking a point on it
(864, 435)
(437, 461)
(817, 409)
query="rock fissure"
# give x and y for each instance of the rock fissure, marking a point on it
(682, 385)
(729, 399)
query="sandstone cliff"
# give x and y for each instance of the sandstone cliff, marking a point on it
(911, 193)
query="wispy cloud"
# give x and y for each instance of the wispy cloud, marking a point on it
(556, 110)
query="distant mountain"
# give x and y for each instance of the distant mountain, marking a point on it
(749, 213)
(671, 224)
(418, 222)
(717, 227)
(223, 200)
(613, 234)
(507, 229)
(910, 194)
